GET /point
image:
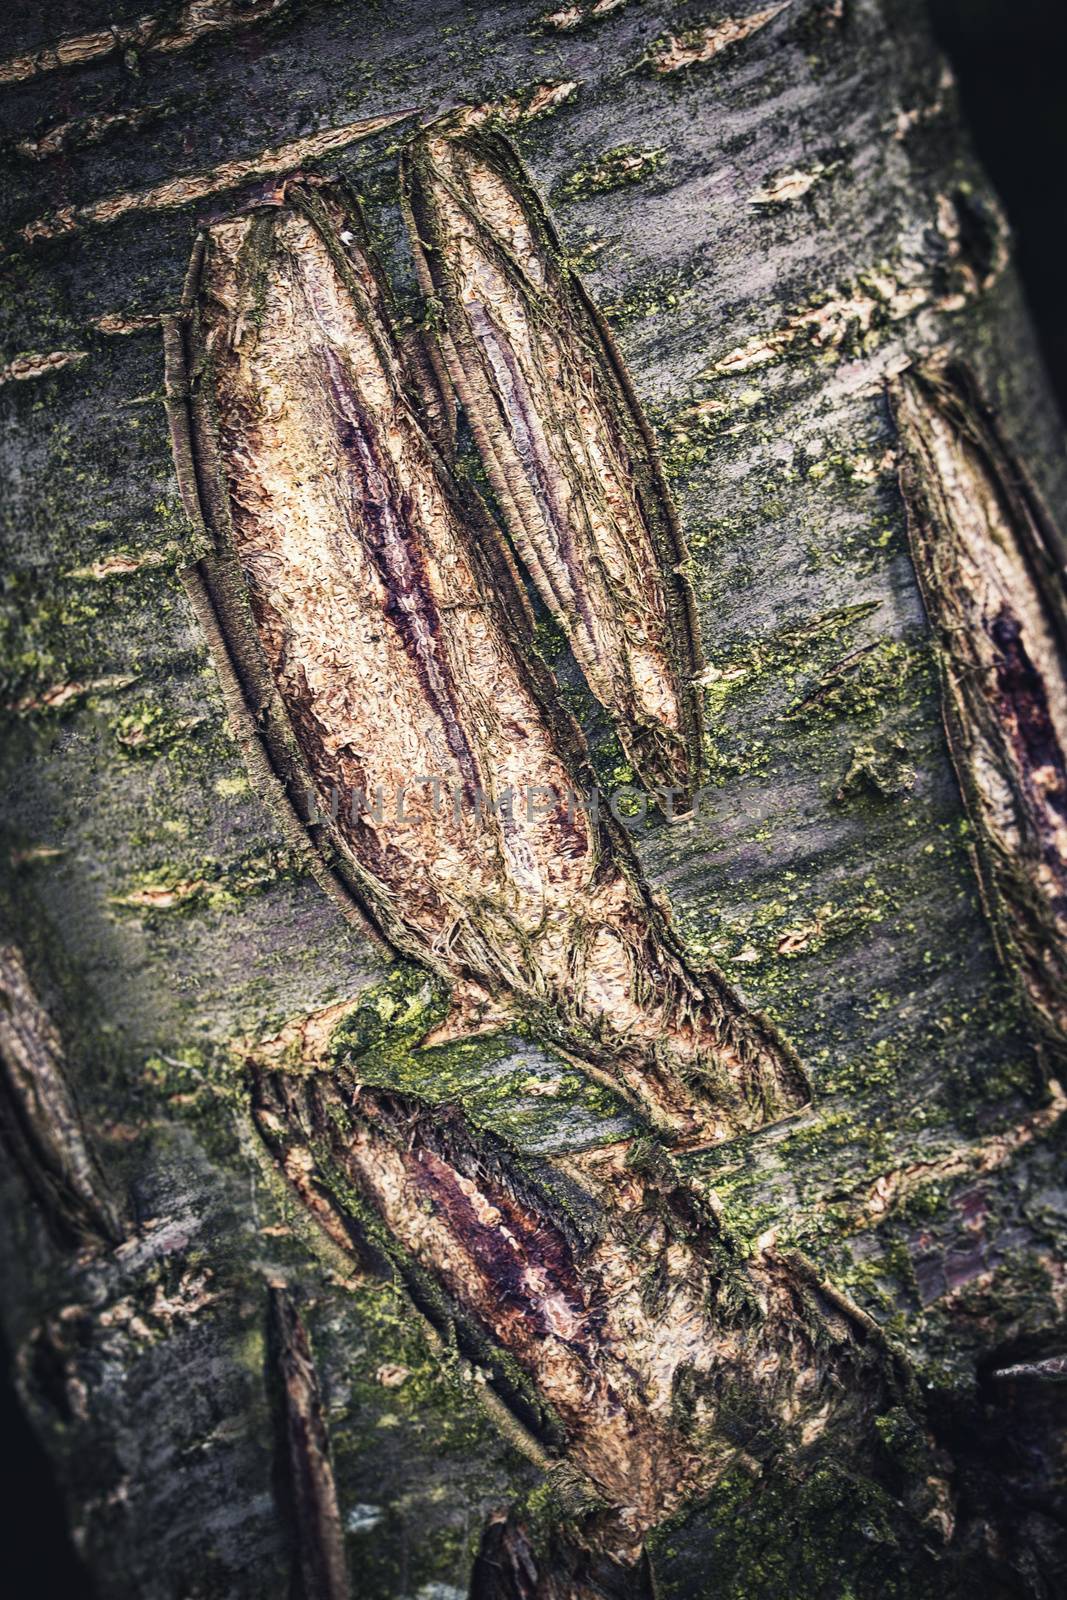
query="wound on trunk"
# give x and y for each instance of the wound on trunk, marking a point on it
(311, 1490)
(568, 452)
(598, 1293)
(989, 567)
(377, 643)
(39, 1117)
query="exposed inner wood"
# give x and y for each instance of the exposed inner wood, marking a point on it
(661, 1357)
(190, 187)
(351, 591)
(316, 1515)
(566, 448)
(39, 1116)
(40, 366)
(699, 45)
(164, 34)
(988, 563)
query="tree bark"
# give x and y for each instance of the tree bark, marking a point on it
(348, 1257)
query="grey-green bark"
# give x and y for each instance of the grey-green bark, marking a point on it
(789, 223)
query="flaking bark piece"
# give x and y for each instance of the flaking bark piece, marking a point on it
(567, 449)
(317, 1531)
(40, 1118)
(367, 643)
(601, 1295)
(989, 565)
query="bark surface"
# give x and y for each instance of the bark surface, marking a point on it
(323, 1272)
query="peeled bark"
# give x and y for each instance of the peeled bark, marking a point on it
(610, 395)
(564, 444)
(991, 573)
(41, 1124)
(385, 654)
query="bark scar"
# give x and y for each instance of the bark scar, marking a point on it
(990, 567)
(40, 1118)
(316, 1516)
(566, 446)
(612, 1311)
(373, 641)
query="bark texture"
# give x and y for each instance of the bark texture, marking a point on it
(329, 1271)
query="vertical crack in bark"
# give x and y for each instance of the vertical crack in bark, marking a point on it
(989, 568)
(378, 646)
(318, 1534)
(566, 447)
(39, 1116)
(660, 1357)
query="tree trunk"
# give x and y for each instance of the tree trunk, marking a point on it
(366, 1238)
